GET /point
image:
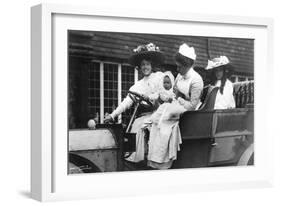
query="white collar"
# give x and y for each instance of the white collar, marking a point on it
(148, 77)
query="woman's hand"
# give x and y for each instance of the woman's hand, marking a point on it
(176, 91)
(150, 98)
(160, 100)
(170, 100)
(108, 119)
(145, 97)
(181, 101)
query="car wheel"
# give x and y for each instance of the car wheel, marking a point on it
(78, 164)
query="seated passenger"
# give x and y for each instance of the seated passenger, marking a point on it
(220, 68)
(165, 137)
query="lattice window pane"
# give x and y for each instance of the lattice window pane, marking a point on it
(94, 91)
(110, 87)
(128, 79)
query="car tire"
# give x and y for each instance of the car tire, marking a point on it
(78, 164)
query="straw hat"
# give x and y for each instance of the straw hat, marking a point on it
(217, 62)
(220, 62)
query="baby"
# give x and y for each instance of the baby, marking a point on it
(166, 97)
(166, 94)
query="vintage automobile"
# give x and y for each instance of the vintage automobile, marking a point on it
(210, 138)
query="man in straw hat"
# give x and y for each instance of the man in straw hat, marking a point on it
(145, 58)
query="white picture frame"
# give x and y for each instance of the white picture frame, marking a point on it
(49, 179)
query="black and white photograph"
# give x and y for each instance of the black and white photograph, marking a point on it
(140, 101)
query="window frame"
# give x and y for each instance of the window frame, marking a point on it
(119, 89)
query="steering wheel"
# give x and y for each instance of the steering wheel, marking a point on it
(136, 97)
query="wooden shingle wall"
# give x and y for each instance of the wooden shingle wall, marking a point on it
(117, 47)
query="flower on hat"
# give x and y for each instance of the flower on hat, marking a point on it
(146, 47)
(187, 51)
(217, 62)
(147, 51)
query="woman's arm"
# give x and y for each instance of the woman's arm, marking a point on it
(153, 97)
(195, 93)
(125, 104)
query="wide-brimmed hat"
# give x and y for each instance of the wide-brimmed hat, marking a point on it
(220, 62)
(187, 51)
(217, 62)
(148, 52)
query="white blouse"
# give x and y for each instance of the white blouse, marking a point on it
(149, 86)
(191, 85)
(225, 100)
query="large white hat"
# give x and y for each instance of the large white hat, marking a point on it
(187, 51)
(217, 62)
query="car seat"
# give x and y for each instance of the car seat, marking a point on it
(209, 102)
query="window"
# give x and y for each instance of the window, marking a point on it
(110, 87)
(108, 84)
(94, 91)
(128, 79)
(240, 78)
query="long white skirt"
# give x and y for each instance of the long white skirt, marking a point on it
(165, 137)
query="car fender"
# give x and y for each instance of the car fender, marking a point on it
(247, 156)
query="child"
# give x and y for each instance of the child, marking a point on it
(221, 71)
(160, 146)
(166, 96)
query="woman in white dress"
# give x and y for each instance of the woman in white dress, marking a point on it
(145, 58)
(165, 138)
(221, 69)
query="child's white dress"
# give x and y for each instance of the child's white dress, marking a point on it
(225, 100)
(165, 96)
(165, 135)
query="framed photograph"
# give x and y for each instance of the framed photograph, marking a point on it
(138, 102)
